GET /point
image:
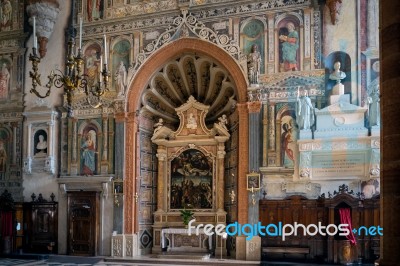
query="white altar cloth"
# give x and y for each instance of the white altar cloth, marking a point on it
(182, 231)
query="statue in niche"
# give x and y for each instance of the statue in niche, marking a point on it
(4, 81)
(373, 100)
(41, 145)
(191, 122)
(6, 15)
(337, 75)
(253, 64)
(120, 78)
(289, 46)
(304, 111)
(88, 153)
(3, 157)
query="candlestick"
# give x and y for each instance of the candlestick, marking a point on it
(80, 33)
(101, 69)
(105, 49)
(34, 33)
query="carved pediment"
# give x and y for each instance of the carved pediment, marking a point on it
(192, 116)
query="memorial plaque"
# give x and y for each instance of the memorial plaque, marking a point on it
(338, 165)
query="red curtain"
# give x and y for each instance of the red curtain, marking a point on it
(6, 224)
(345, 218)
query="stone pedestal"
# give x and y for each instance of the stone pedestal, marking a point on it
(339, 98)
(338, 89)
(124, 245)
(253, 249)
(241, 248)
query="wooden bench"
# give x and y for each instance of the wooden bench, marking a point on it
(287, 250)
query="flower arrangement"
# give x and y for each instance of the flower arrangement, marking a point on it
(186, 215)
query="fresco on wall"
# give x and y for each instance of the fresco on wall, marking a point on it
(4, 79)
(288, 45)
(253, 33)
(191, 180)
(92, 64)
(4, 139)
(6, 15)
(288, 141)
(40, 143)
(89, 151)
(94, 9)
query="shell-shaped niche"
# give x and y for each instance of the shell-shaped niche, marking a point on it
(187, 75)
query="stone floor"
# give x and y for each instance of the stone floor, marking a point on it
(149, 260)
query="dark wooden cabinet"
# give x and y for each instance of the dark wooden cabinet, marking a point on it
(40, 225)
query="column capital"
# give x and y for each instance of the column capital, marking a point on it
(254, 107)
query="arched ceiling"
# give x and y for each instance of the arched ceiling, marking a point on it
(187, 75)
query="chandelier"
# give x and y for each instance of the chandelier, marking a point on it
(73, 79)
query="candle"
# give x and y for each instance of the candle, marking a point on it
(34, 33)
(101, 69)
(105, 49)
(80, 33)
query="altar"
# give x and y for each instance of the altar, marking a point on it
(178, 239)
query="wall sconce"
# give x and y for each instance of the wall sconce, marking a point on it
(73, 79)
(118, 189)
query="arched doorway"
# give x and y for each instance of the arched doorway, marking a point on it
(203, 70)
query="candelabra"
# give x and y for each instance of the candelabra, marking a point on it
(73, 79)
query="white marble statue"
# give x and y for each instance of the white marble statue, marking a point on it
(374, 106)
(304, 111)
(223, 121)
(158, 125)
(337, 75)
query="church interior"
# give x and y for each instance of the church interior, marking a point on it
(122, 121)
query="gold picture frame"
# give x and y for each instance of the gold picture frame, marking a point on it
(253, 181)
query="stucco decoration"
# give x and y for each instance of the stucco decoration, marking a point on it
(184, 26)
(46, 12)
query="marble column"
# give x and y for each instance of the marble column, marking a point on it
(254, 155)
(390, 130)
(162, 156)
(119, 167)
(130, 174)
(221, 183)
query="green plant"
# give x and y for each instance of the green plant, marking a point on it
(186, 216)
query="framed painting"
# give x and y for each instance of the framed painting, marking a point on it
(253, 181)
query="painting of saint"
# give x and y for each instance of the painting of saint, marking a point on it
(288, 141)
(92, 66)
(191, 180)
(4, 81)
(88, 153)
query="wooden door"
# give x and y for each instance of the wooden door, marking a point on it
(83, 225)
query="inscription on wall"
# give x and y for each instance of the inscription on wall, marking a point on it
(343, 165)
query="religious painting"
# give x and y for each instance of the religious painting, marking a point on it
(191, 180)
(4, 79)
(253, 181)
(288, 141)
(289, 41)
(6, 11)
(92, 64)
(89, 151)
(94, 10)
(118, 186)
(40, 143)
